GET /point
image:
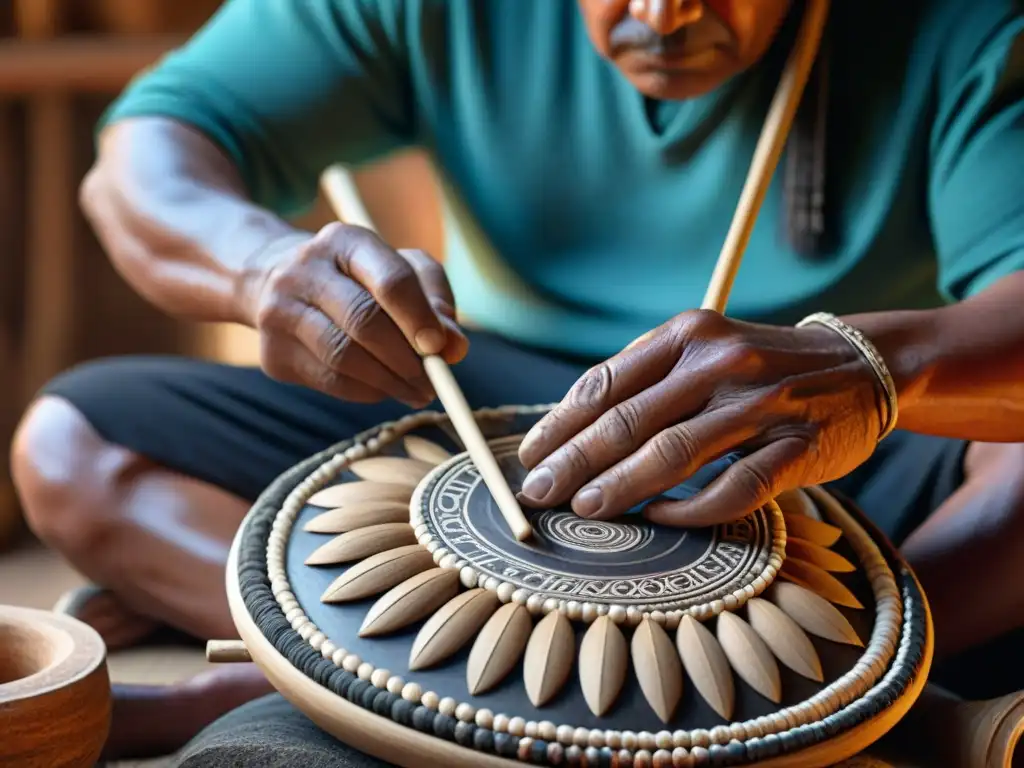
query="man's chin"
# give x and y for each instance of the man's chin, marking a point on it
(674, 85)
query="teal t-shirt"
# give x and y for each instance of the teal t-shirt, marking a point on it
(575, 221)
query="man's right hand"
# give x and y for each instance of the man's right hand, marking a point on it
(344, 313)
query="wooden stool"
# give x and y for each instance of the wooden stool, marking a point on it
(54, 690)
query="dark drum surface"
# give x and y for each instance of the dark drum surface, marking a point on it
(662, 549)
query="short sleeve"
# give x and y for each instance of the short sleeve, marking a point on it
(976, 187)
(286, 88)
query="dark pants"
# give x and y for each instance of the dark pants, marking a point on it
(237, 429)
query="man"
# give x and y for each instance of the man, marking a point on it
(596, 150)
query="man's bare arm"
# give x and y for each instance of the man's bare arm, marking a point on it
(172, 213)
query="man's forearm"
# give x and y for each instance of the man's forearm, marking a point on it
(170, 210)
(959, 370)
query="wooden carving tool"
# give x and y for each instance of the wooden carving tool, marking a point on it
(341, 193)
(770, 146)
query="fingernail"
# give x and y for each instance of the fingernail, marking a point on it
(429, 341)
(538, 484)
(588, 502)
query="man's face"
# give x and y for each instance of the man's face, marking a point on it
(678, 49)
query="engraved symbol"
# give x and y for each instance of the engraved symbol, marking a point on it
(571, 531)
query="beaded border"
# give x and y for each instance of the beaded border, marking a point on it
(781, 732)
(667, 614)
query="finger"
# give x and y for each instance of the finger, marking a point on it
(395, 285)
(599, 389)
(442, 300)
(292, 363)
(612, 438)
(665, 461)
(337, 351)
(744, 487)
(432, 276)
(353, 309)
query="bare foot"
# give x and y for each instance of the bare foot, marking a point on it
(154, 721)
(119, 626)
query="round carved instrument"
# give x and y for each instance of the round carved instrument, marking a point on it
(380, 589)
(54, 690)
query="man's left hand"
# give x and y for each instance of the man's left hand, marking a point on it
(800, 404)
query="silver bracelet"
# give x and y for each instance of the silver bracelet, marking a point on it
(870, 353)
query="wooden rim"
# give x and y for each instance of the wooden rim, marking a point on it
(384, 739)
(73, 651)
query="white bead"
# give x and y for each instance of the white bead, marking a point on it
(412, 692)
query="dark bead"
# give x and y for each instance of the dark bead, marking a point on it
(718, 755)
(737, 751)
(755, 748)
(423, 719)
(382, 702)
(833, 725)
(483, 740)
(592, 757)
(607, 757)
(506, 744)
(368, 696)
(464, 733)
(401, 712)
(788, 741)
(334, 679)
(772, 744)
(539, 752)
(444, 726)
(344, 683)
(355, 691)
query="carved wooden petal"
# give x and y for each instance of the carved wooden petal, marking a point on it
(360, 515)
(498, 647)
(817, 580)
(657, 668)
(410, 601)
(785, 638)
(603, 660)
(707, 666)
(830, 508)
(360, 491)
(454, 625)
(355, 545)
(378, 573)
(817, 555)
(802, 527)
(797, 502)
(549, 657)
(813, 613)
(749, 656)
(425, 450)
(391, 469)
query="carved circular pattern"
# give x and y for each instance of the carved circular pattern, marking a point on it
(632, 566)
(595, 536)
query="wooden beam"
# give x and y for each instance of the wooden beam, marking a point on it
(82, 64)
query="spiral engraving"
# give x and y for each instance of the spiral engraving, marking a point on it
(577, 533)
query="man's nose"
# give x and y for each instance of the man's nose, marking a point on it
(666, 16)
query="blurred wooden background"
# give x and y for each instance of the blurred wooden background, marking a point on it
(61, 63)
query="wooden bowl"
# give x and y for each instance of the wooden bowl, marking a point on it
(55, 697)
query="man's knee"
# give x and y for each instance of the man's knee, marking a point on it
(1000, 467)
(66, 475)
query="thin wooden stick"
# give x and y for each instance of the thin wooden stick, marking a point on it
(343, 196)
(769, 150)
